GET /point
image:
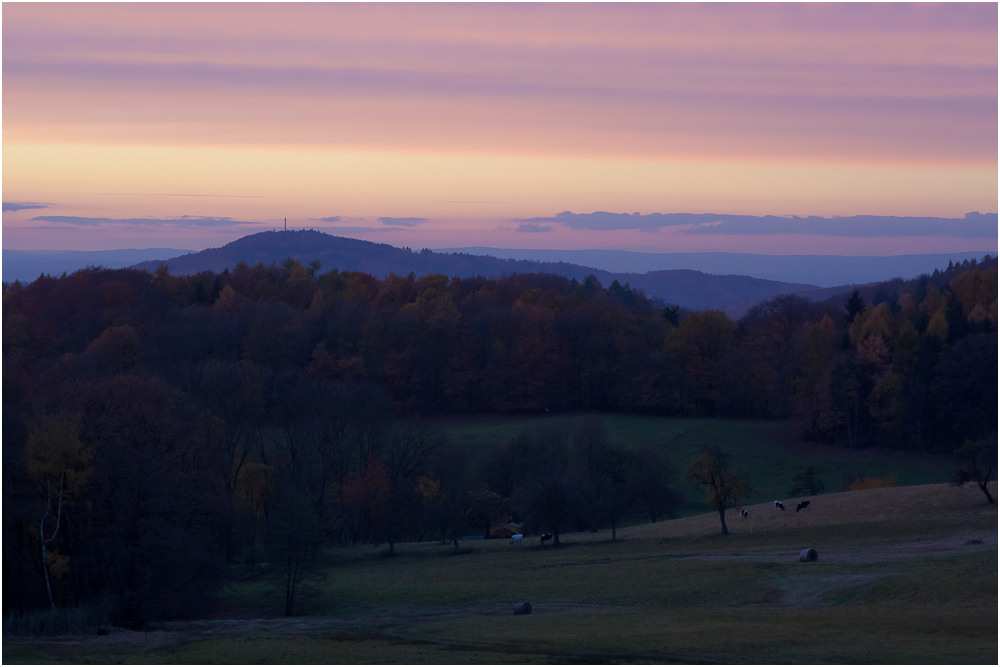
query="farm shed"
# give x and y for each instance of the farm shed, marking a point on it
(505, 531)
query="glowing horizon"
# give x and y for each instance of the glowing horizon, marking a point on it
(445, 125)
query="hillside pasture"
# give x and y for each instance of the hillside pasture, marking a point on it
(905, 575)
(767, 453)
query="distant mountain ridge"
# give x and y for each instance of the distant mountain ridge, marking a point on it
(822, 270)
(27, 265)
(694, 283)
(687, 288)
(347, 254)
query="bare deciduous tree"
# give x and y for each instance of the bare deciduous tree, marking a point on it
(977, 461)
(724, 487)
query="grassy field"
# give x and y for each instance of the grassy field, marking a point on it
(766, 453)
(905, 575)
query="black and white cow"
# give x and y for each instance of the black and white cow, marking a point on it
(802, 505)
(779, 505)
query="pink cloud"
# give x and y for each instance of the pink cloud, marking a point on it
(888, 86)
(837, 82)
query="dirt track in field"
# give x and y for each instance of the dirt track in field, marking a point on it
(257, 628)
(947, 546)
(873, 506)
(392, 624)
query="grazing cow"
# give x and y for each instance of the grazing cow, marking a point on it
(517, 539)
(777, 503)
(545, 538)
(745, 514)
(803, 505)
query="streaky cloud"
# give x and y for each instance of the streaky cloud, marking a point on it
(972, 225)
(179, 194)
(342, 231)
(402, 222)
(533, 227)
(332, 218)
(21, 206)
(184, 221)
(604, 220)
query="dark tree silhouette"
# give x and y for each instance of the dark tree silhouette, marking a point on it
(154, 516)
(806, 481)
(547, 490)
(652, 478)
(294, 538)
(405, 453)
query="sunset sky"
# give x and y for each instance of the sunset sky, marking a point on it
(653, 126)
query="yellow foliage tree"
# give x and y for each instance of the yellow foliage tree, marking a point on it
(976, 291)
(58, 463)
(870, 333)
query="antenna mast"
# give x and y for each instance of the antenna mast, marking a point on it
(286, 224)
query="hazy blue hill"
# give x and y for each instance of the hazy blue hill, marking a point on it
(822, 270)
(731, 282)
(346, 254)
(27, 265)
(687, 288)
(698, 291)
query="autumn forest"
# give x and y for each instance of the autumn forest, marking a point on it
(159, 430)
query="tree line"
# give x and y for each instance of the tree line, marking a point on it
(159, 430)
(896, 370)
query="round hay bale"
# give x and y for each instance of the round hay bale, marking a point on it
(522, 608)
(808, 555)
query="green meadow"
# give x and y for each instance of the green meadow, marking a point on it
(767, 453)
(905, 575)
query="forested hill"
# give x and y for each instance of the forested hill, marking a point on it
(161, 432)
(686, 288)
(531, 341)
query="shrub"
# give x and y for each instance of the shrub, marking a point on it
(862, 484)
(807, 482)
(86, 619)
